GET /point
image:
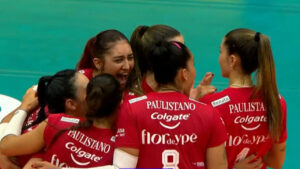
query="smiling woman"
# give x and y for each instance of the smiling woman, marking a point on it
(108, 52)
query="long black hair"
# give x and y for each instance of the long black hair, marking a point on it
(53, 91)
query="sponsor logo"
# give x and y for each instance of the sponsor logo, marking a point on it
(171, 106)
(56, 161)
(89, 142)
(199, 164)
(137, 99)
(69, 120)
(79, 153)
(169, 118)
(249, 120)
(167, 138)
(220, 101)
(120, 132)
(246, 107)
(246, 139)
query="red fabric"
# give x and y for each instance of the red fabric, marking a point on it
(128, 95)
(30, 119)
(245, 121)
(87, 72)
(146, 88)
(78, 148)
(180, 125)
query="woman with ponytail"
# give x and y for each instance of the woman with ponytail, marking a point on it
(165, 128)
(254, 113)
(142, 40)
(71, 141)
(63, 92)
(109, 52)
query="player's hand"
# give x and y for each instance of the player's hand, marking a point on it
(204, 87)
(43, 165)
(30, 100)
(249, 163)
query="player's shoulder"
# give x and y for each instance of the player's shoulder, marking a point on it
(62, 118)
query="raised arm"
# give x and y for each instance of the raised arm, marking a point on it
(29, 103)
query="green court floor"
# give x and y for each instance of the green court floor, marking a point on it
(41, 37)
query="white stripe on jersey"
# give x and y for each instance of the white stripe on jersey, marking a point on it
(70, 120)
(137, 99)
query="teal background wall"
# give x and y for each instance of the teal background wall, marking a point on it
(41, 37)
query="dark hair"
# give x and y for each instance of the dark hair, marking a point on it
(105, 41)
(144, 38)
(53, 92)
(104, 95)
(255, 52)
(86, 60)
(167, 59)
(98, 46)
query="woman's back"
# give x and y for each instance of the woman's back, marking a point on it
(77, 148)
(245, 121)
(169, 129)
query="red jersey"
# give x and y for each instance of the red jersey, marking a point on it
(29, 120)
(245, 121)
(145, 86)
(87, 72)
(77, 148)
(128, 95)
(169, 129)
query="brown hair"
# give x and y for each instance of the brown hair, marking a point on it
(99, 45)
(255, 52)
(144, 38)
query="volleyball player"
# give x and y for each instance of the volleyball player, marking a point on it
(254, 113)
(71, 141)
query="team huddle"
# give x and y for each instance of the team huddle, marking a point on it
(132, 104)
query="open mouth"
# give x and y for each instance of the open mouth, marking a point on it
(122, 78)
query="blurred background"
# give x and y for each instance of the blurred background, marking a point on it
(42, 37)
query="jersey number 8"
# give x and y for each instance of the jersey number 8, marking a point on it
(170, 159)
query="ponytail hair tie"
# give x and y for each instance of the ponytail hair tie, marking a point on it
(257, 37)
(177, 45)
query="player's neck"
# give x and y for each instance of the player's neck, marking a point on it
(104, 122)
(168, 88)
(150, 80)
(240, 80)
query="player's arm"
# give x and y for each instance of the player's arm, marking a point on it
(29, 103)
(216, 157)
(275, 156)
(31, 142)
